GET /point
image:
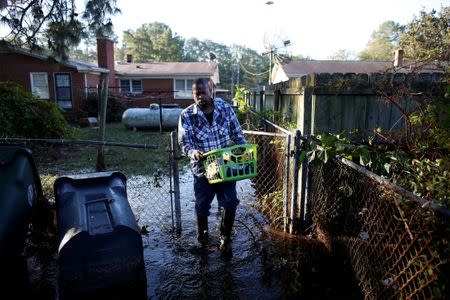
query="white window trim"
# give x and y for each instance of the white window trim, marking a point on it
(32, 84)
(71, 89)
(130, 81)
(175, 94)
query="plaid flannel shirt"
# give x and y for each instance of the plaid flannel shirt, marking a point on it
(195, 133)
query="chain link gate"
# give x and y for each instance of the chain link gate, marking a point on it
(276, 184)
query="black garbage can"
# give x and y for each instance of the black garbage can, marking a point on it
(20, 189)
(100, 246)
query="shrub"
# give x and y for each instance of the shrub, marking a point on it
(114, 110)
(23, 115)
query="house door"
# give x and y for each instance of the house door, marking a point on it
(63, 88)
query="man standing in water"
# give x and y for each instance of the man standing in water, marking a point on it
(206, 125)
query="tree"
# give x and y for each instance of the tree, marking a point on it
(342, 54)
(153, 42)
(382, 43)
(55, 24)
(196, 50)
(427, 37)
(253, 67)
(87, 55)
(300, 57)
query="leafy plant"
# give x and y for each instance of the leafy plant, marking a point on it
(425, 177)
(114, 109)
(23, 115)
(239, 98)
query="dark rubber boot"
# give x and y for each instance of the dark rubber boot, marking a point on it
(226, 227)
(202, 230)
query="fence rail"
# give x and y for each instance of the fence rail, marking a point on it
(396, 245)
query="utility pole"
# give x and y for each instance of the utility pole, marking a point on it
(232, 85)
(237, 83)
(270, 52)
(270, 65)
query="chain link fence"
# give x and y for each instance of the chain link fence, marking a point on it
(273, 183)
(149, 185)
(396, 245)
(397, 248)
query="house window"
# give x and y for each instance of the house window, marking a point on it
(183, 88)
(39, 85)
(63, 90)
(131, 86)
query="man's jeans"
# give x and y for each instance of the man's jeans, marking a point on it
(205, 192)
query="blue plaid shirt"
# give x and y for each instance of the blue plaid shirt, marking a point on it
(195, 133)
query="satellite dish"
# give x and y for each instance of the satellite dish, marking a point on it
(278, 45)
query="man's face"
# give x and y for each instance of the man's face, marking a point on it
(202, 94)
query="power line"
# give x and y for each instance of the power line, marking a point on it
(251, 73)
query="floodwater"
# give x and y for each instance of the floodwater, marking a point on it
(264, 265)
(178, 268)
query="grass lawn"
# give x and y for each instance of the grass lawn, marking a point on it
(131, 161)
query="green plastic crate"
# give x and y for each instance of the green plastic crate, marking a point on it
(231, 164)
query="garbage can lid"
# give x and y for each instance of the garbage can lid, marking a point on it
(7, 153)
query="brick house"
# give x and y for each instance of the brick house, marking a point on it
(141, 84)
(69, 82)
(47, 77)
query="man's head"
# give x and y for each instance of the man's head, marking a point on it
(201, 90)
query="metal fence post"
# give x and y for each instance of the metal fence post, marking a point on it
(305, 214)
(176, 179)
(103, 102)
(160, 116)
(295, 190)
(262, 98)
(286, 183)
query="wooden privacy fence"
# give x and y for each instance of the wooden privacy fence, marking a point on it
(338, 102)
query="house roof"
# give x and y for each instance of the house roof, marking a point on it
(82, 67)
(304, 67)
(294, 69)
(167, 69)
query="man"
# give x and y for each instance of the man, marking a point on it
(206, 125)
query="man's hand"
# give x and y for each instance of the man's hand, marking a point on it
(198, 155)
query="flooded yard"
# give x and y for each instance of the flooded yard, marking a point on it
(265, 264)
(178, 268)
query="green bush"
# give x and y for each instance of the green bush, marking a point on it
(23, 115)
(114, 109)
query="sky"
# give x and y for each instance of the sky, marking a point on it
(315, 28)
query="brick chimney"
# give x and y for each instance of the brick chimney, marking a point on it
(398, 60)
(129, 58)
(105, 58)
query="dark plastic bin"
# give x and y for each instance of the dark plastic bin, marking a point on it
(20, 189)
(100, 250)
